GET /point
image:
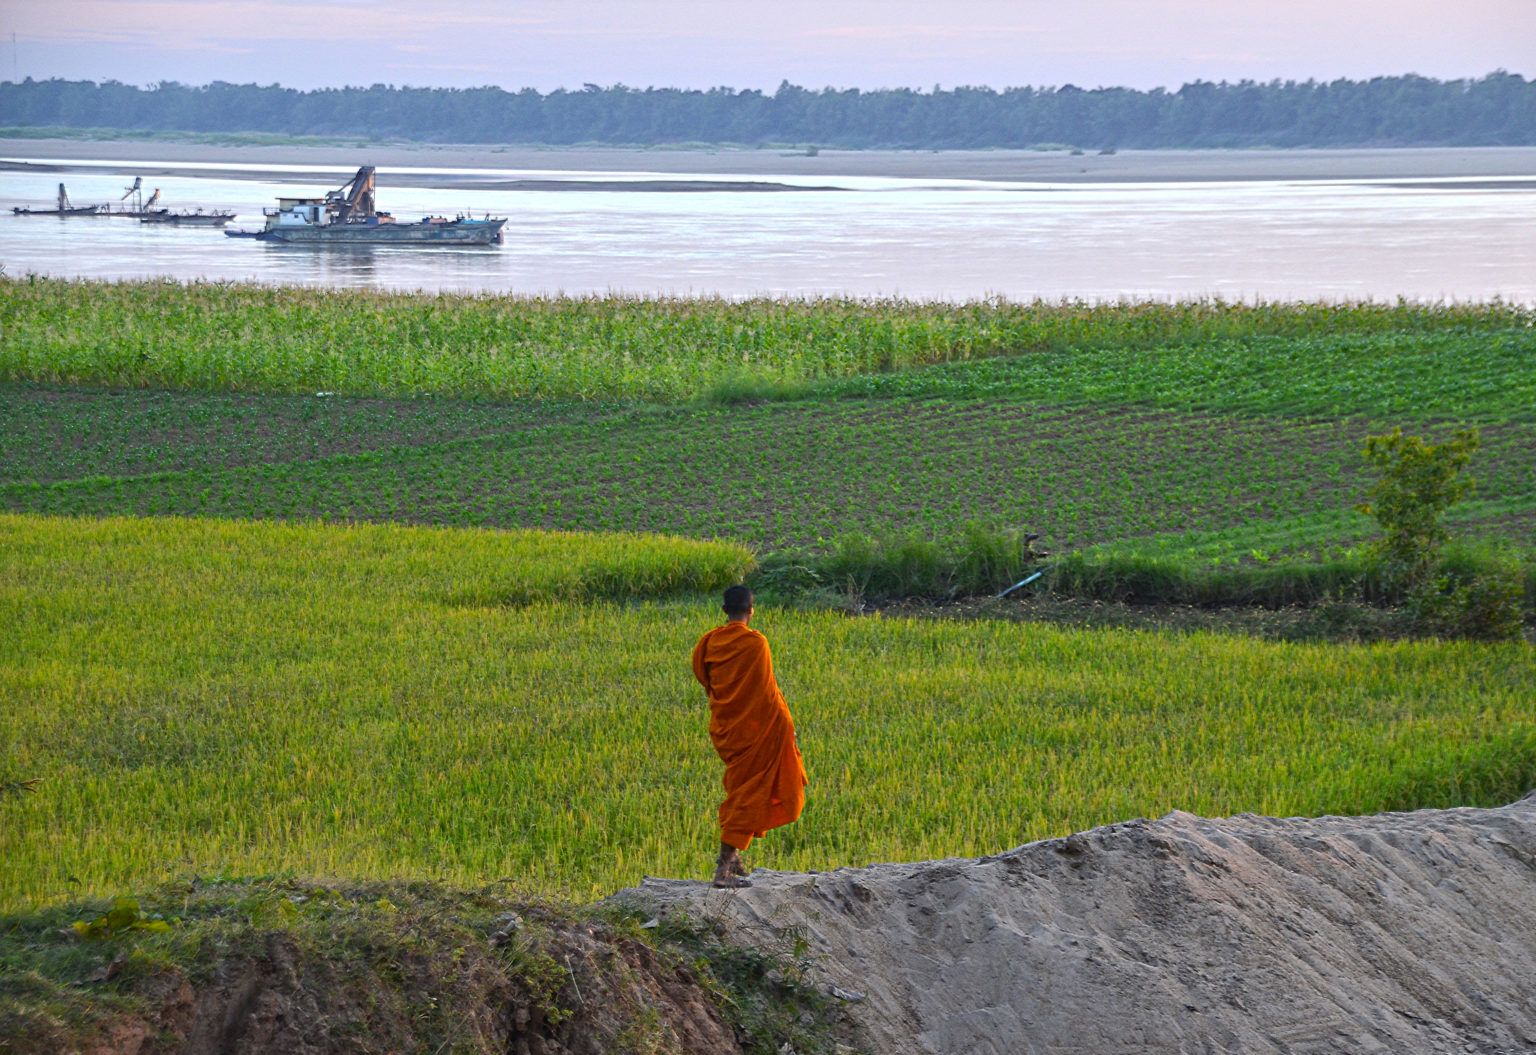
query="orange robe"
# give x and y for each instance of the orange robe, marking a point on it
(753, 733)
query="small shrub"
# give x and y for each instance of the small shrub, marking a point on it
(1488, 606)
(1337, 618)
(1419, 482)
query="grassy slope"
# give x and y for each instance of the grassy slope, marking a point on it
(212, 696)
(394, 966)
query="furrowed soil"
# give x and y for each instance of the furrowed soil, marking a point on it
(772, 475)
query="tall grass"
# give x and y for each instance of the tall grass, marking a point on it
(1149, 571)
(224, 336)
(231, 698)
(977, 560)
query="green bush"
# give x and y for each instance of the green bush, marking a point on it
(1419, 482)
(1486, 606)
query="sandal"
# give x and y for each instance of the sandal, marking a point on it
(728, 873)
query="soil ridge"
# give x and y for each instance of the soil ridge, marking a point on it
(1402, 932)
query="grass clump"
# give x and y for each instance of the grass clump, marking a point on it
(1130, 577)
(859, 568)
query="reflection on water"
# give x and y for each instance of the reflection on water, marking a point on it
(341, 265)
(949, 239)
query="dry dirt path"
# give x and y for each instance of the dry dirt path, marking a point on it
(1403, 932)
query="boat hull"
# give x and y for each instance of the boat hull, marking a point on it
(456, 232)
(81, 210)
(195, 219)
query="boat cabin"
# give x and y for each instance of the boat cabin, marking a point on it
(352, 203)
(314, 212)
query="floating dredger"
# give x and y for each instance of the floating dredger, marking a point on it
(347, 216)
(66, 208)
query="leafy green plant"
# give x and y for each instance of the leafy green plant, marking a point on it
(1419, 481)
(123, 918)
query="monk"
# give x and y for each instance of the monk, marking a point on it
(753, 734)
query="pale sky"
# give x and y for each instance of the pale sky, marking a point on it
(547, 44)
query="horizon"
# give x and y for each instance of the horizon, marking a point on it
(842, 44)
(785, 83)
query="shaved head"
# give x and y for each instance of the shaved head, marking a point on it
(738, 602)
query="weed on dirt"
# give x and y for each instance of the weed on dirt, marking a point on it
(276, 964)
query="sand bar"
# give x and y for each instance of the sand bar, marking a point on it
(1126, 166)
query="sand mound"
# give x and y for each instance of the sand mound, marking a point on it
(1404, 932)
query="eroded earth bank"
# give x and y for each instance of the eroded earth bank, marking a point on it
(1404, 932)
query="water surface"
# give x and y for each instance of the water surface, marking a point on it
(1431, 239)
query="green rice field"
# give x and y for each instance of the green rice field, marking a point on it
(215, 697)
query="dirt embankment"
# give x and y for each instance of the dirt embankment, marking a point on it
(575, 989)
(1399, 933)
(1396, 933)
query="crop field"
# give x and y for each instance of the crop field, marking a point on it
(440, 682)
(216, 697)
(1333, 358)
(52, 434)
(771, 475)
(782, 423)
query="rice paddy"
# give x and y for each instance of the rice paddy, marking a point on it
(215, 697)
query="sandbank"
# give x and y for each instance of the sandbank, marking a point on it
(1126, 166)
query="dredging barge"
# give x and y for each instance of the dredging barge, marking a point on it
(64, 209)
(348, 217)
(145, 211)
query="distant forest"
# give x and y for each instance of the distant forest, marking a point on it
(1499, 109)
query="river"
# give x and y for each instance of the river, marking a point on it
(781, 231)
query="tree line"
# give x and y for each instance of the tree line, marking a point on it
(1499, 109)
